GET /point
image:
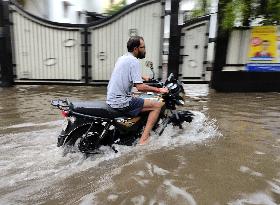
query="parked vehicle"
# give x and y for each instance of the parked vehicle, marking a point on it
(90, 124)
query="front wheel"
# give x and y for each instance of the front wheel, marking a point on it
(84, 139)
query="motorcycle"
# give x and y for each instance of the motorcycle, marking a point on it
(91, 124)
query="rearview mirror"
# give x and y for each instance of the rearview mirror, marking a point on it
(149, 64)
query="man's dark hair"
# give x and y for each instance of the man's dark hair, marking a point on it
(133, 42)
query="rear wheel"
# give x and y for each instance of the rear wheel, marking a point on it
(77, 141)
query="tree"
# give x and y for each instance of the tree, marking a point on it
(246, 12)
(21, 2)
(202, 7)
(115, 7)
(242, 12)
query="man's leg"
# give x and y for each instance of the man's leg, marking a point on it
(154, 107)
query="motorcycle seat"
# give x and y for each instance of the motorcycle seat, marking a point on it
(95, 108)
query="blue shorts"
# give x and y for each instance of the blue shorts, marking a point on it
(134, 108)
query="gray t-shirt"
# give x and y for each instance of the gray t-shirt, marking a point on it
(127, 71)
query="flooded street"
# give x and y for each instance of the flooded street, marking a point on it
(229, 154)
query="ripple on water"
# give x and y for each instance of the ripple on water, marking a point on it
(275, 186)
(254, 199)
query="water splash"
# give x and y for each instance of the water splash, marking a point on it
(254, 199)
(32, 161)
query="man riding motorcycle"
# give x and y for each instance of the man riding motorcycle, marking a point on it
(127, 72)
(123, 118)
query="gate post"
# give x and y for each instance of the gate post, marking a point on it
(86, 56)
(174, 40)
(6, 64)
(220, 49)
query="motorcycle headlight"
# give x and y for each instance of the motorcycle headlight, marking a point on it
(182, 95)
(169, 85)
(174, 86)
(180, 102)
(181, 98)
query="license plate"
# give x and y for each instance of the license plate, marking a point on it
(65, 124)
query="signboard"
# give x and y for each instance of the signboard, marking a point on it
(264, 49)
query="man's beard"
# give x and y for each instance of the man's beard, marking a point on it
(141, 55)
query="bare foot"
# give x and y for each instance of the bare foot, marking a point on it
(144, 140)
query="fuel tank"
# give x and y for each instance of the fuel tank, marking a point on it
(131, 122)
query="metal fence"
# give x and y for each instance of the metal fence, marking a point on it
(109, 39)
(237, 51)
(194, 47)
(45, 51)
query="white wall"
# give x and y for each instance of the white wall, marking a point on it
(57, 11)
(53, 9)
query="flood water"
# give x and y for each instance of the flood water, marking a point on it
(229, 154)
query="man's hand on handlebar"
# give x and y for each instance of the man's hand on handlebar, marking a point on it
(163, 90)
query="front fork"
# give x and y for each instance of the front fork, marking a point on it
(168, 119)
(176, 118)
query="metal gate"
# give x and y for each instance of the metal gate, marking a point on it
(194, 44)
(45, 51)
(108, 39)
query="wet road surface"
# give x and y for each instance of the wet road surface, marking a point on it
(229, 154)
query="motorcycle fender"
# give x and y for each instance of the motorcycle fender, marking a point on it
(186, 116)
(65, 134)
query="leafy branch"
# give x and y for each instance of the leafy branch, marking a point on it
(246, 12)
(115, 7)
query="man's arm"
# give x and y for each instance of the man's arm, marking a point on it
(142, 87)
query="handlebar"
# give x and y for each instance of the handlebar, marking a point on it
(154, 83)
